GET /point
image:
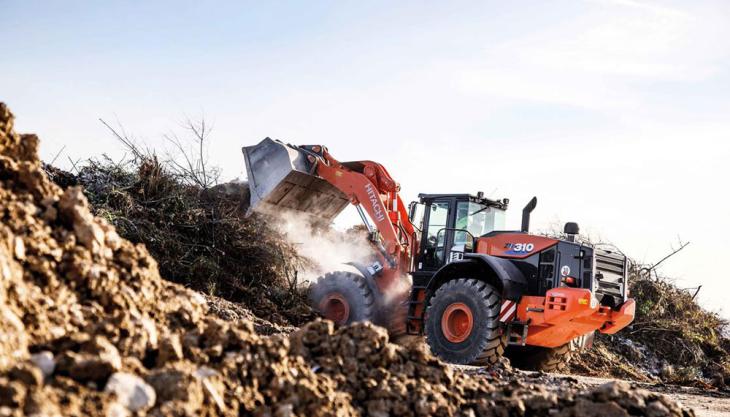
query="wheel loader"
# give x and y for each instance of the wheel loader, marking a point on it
(475, 290)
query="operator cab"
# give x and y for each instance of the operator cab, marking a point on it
(453, 221)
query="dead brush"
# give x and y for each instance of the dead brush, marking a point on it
(688, 343)
(679, 330)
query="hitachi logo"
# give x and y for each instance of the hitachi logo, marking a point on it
(375, 202)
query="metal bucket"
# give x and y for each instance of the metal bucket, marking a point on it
(281, 178)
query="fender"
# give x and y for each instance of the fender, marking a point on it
(496, 271)
(369, 278)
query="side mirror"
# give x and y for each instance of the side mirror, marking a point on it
(411, 210)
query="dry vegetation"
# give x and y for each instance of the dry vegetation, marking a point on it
(673, 339)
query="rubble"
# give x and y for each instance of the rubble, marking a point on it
(89, 328)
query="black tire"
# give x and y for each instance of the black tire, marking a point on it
(343, 287)
(486, 341)
(395, 318)
(537, 358)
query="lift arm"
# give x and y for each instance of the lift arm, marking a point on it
(308, 179)
(369, 185)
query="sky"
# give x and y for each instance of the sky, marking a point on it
(614, 113)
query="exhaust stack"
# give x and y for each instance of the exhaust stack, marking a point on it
(526, 214)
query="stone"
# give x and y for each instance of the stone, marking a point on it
(611, 390)
(173, 384)
(131, 391)
(170, 350)
(45, 362)
(90, 367)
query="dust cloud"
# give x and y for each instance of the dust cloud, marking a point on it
(329, 249)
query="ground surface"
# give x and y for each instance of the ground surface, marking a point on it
(706, 403)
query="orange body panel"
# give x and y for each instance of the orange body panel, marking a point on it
(625, 316)
(566, 313)
(513, 245)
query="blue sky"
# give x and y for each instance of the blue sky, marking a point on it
(614, 113)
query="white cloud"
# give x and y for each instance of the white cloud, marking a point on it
(597, 59)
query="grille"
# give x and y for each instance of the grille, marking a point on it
(610, 277)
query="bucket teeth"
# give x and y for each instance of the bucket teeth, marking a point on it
(281, 177)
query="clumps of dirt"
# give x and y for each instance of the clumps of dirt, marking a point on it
(672, 340)
(229, 311)
(199, 236)
(386, 379)
(88, 327)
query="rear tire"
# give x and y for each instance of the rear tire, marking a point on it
(538, 358)
(462, 323)
(343, 297)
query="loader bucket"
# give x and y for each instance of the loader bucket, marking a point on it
(281, 178)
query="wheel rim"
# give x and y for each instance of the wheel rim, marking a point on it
(334, 307)
(457, 322)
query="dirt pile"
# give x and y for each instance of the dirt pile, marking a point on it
(199, 237)
(88, 327)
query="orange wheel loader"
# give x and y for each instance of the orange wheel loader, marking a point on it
(475, 290)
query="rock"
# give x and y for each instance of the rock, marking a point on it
(45, 362)
(657, 409)
(211, 388)
(87, 367)
(170, 350)
(117, 410)
(176, 385)
(131, 391)
(19, 249)
(95, 363)
(611, 390)
(585, 408)
(74, 207)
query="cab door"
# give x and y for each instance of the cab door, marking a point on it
(437, 237)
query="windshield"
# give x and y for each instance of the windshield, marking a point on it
(478, 219)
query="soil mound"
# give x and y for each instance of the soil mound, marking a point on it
(198, 236)
(88, 327)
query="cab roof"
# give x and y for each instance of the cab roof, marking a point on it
(502, 204)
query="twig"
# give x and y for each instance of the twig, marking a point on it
(73, 164)
(653, 267)
(682, 246)
(696, 292)
(124, 139)
(57, 155)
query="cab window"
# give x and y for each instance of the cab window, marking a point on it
(477, 219)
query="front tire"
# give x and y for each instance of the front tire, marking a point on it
(537, 358)
(462, 323)
(343, 297)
